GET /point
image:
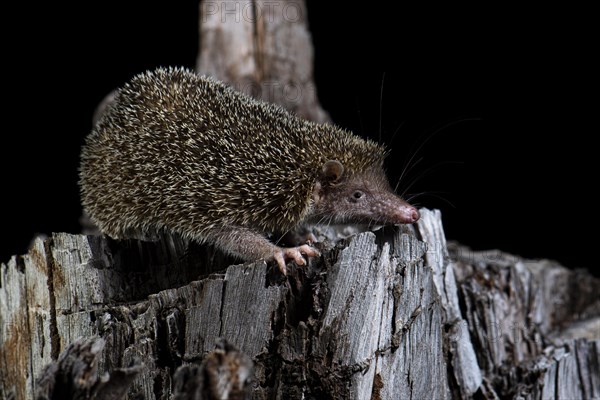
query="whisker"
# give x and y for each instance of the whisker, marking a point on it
(360, 120)
(281, 237)
(410, 198)
(415, 195)
(431, 135)
(405, 170)
(427, 171)
(445, 200)
(329, 221)
(381, 106)
(396, 131)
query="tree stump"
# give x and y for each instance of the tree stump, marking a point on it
(386, 314)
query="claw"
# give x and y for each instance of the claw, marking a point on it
(278, 256)
(310, 238)
(295, 254)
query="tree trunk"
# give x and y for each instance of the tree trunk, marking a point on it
(385, 315)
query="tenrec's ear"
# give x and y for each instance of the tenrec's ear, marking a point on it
(332, 171)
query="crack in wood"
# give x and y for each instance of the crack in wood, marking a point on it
(54, 333)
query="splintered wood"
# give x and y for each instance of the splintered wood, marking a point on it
(384, 315)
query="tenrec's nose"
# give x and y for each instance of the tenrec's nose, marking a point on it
(414, 214)
(407, 214)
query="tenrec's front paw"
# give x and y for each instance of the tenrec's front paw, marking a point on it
(283, 255)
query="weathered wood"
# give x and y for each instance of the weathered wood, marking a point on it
(379, 316)
(225, 373)
(304, 332)
(75, 375)
(535, 325)
(461, 354)
(262, 48)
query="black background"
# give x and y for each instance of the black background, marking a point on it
(498, 102)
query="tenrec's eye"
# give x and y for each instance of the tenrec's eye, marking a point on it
(357, 195)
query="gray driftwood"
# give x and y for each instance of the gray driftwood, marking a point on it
(383, 315)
